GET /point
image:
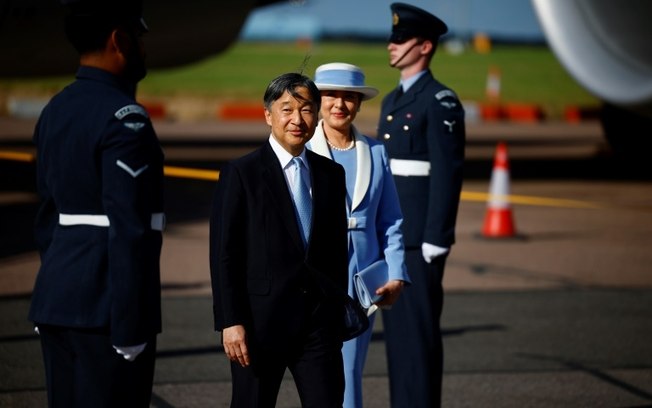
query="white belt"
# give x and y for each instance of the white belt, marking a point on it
(157, 222)
(84, 219)
(409, 167)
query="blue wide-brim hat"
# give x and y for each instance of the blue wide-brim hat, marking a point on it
(338, 76)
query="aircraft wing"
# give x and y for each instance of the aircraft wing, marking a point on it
(33, 43)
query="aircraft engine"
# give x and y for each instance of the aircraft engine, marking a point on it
(604, 45)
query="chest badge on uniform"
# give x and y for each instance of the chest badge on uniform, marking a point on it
(450, 125)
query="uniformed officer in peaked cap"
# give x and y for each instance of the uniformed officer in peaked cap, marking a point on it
(422, 127)
(96, 302)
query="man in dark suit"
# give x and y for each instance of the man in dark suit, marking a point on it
(96, 301)
(266, 258)
(422, 126)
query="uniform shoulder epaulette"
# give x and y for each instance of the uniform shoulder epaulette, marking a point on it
(445, 93)
(132, 109)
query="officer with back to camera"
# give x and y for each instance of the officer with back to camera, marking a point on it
(422, 127)
(96, 301)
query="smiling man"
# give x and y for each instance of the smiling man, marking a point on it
(279, 215)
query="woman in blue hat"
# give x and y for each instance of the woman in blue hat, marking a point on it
(375, 239)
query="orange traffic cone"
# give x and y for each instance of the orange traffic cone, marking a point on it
(498, 221)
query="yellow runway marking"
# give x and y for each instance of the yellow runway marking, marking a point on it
(16, 156)
(531, 200)
(197, 174)
(214, 175)
(170, 171)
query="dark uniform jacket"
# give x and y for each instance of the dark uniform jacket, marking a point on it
(100, 178)
(260, 269)
(426, 124)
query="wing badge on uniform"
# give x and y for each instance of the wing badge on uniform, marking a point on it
(447, 93)
(135, 126)
(133, 173)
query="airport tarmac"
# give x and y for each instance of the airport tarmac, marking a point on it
(558, 316)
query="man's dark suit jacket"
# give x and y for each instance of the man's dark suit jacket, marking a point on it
(259, 266)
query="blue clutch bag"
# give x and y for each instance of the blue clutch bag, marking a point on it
(368, 280)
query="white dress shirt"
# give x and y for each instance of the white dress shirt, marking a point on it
(285, 160)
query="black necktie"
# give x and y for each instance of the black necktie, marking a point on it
(399, 92)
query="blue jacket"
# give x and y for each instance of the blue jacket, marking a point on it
(375, 215)
(100, 179)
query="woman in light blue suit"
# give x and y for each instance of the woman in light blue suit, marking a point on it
(373, 206)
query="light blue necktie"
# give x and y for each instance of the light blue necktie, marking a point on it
(302, 200)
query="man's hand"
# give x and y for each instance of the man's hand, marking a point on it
(235, 345)
(390, 292)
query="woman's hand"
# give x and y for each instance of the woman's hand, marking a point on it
(390, 292)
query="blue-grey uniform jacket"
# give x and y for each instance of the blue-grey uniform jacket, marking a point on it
(424, 134)
(100, 179)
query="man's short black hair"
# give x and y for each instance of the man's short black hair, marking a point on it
(289, 83)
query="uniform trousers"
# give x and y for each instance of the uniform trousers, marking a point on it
(83, 369)
(413, 335)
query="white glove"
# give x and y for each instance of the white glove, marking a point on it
(130, 352)
(430, 251)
